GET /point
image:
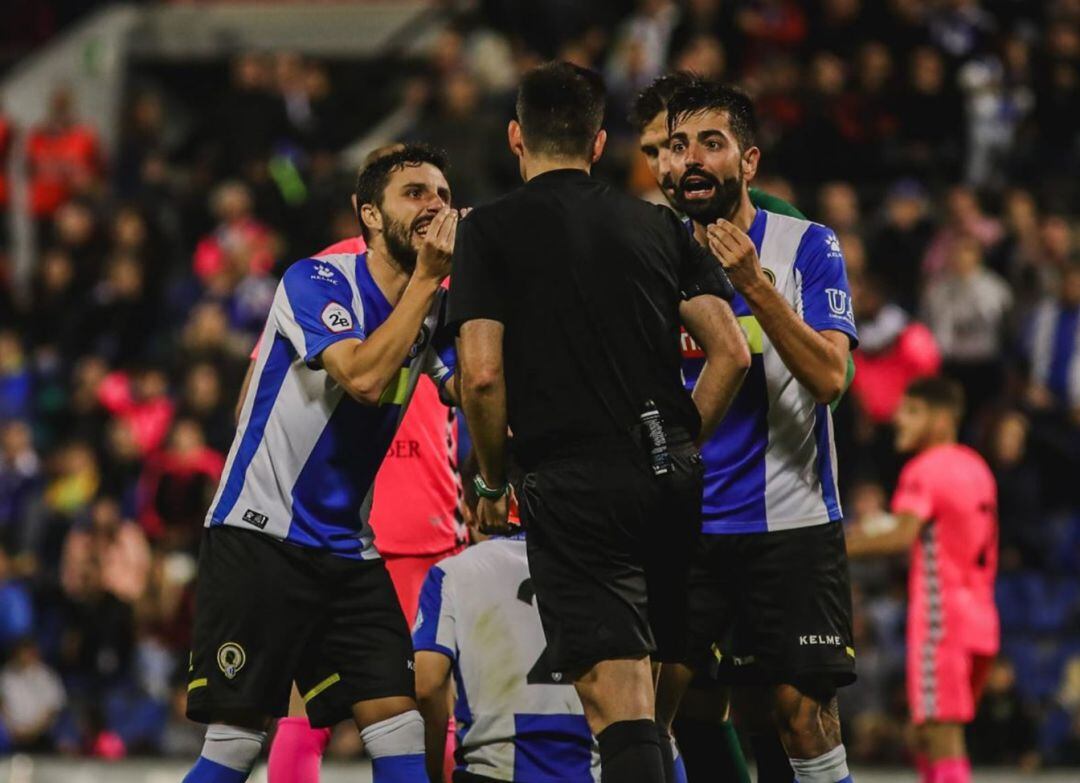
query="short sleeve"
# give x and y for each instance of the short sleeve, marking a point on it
(441, 361)
(434, 626)
(914, 492)
(824, 291)
(314, 308)
(476, 289)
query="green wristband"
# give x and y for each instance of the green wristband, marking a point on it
(484, 491)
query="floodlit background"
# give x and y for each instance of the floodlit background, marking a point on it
(162, 163)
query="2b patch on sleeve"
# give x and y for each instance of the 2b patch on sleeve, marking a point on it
(336, 318)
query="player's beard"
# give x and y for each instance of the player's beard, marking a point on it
(722, 204)
(398, 238)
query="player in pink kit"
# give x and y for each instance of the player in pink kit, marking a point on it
(945, 511)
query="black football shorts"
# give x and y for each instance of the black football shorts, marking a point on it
(769, 608)
(268, 613)
(609, 547)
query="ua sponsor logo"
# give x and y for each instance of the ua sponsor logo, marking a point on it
(840, 304)
(231, 659)
(829, 640)
(336, 318)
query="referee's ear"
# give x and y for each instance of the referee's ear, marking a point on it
(598, 145)
(515, 137)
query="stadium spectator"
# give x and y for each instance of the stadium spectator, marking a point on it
(239, 244)
(7, 133)
(1053, 348)
(140, 399)
(1020, 495)
(177, 487)
(1004, 730)
(966, 308)
(64, 156)
(16, 380)
(20, 481)
(901, 240)
(16, 608)
(964, 216)
(893, 349)
(31, 697)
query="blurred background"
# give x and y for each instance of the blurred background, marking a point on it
(162, 163)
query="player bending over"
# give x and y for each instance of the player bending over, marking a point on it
(517, 720)
(945, 513)
(290, 585)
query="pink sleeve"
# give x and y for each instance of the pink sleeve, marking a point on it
(914, 492)
(921, 350)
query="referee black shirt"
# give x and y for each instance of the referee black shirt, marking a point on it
(587, 282)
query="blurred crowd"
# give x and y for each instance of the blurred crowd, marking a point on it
(939, 138)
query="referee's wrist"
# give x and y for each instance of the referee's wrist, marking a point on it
(489, 491)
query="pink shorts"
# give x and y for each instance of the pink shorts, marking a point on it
(944, 681)
(408, 572)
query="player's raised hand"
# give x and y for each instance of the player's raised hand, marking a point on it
(433, 260)
(736, 252)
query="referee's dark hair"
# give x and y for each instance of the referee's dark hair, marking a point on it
(654, 98)
(561, 107)
(707, 96)
(372, 180)
(938, 392)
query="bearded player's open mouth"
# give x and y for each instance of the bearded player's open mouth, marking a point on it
(420, 227)
(695, 187)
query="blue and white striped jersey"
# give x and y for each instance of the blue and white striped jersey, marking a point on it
(516, 719)
(1053, 346)
(771, 465)
(303, 462)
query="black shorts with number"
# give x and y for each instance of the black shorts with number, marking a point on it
(609, 548)
(773, 607)
(269, 613)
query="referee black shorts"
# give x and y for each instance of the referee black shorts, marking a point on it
(269, 613)
(609, 547)
(769, 608)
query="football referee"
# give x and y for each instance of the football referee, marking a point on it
(569, 296)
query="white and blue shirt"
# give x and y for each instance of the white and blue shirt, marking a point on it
(516, 719)
(771, 464)
(303, 462)
(1053, 347)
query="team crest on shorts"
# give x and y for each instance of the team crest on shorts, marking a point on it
(231, 659)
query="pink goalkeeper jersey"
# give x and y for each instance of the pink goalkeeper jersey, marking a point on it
(414, 509)
(954, 560)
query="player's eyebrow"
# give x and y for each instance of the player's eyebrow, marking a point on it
(709, 133)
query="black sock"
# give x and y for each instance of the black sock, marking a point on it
(771, 759)
(630, 753)
(667, 755)
(707, 751)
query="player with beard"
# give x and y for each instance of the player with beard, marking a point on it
(707, 742)
(291, 586)
(771, 579)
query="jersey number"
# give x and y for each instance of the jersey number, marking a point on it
(540, 673)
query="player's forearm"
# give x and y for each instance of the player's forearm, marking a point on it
(818, 364)
(376, 361)
(483, 395)
(712, 324)
(485, 411)
(434, 708)
(716, 387)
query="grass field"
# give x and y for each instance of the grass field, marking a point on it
(27, 769)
